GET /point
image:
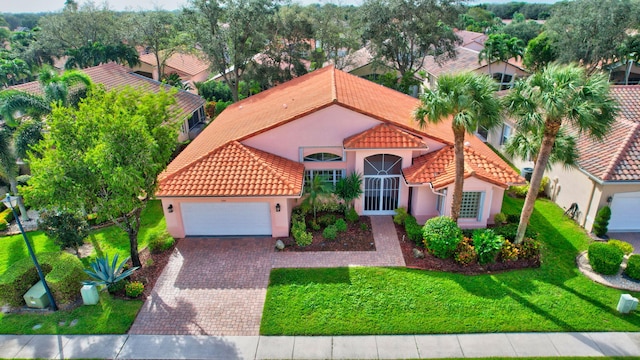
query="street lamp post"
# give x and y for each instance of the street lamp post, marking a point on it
(11, 203)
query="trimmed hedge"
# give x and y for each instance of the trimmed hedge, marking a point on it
(441, 236)
(63, 273)
(622, 245)
(605, 258)
(633, 267)
(161, 242)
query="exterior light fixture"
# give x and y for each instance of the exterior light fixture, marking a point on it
(609, 199)
(170, 208)
(278, 207)
(11, 204)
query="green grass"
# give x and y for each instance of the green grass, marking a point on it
(109, 316)
(359, 300)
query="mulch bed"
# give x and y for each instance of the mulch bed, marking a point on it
(148, 274)
(431, 262)
(354, 239)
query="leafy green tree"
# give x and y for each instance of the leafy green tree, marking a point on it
(337, 32)
(27, 135)
(105, 156)
(13, 71)
(525, 30)
(96, 53)
(468, 99)
(66, 229)
(9, 168)
(230, 32)
(402, 32)
(557, 95)
(588, 32)
(54, 86)
(480, 20)
(629, 54)
(540, 52)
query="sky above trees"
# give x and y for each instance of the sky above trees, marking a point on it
(118, 5)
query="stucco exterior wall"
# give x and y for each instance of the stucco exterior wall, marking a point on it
(570, 185)
(279, 220)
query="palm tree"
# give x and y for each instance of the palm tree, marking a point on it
(9, 168)
(316, 190)
(55, 87)
(469, 100)
(525, 144)
(557, 94)
(501, 47)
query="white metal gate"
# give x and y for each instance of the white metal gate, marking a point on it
(381, 194)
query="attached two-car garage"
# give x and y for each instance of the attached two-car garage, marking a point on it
(625, 212)
(226, 218)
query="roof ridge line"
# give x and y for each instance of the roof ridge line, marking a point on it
(250, 151)
(625, 146)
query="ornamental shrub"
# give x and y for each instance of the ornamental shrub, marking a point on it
(529, 249)
(326, 220)
(364, 226)
(6, 215)
(633, 267)
(134, 289)
(487, 245)
(161, 242)
(441, 236)
(465, 253)
(513, 218)
(66, 229)
(330, 232)
(400, 216)
(508, 252)
(601, 223)
(341, 225)
(414, 230)
(303, 238)
(604, 258)
(510, 230)
(3, 225)
(500, 218)
(622, 245)
(351, 215)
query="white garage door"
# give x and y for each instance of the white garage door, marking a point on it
(625, 212)
(224, 219)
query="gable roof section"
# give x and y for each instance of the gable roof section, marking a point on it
(439, 169)
(114, 76)
(617, 157)
(384, 136)
(184, 64)
(236, 170)
(466, 60)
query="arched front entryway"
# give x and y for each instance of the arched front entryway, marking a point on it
(381, 184)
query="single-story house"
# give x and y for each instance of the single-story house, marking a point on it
(113, 76)
(189, 67)
(246, 172)
(607, 172)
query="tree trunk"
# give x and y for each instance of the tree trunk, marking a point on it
(627, 72)
(551, 129)
(13, 184)
(133, 243)
(458, 149)
(160, 67)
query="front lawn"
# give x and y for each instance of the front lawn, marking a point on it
(555, 297)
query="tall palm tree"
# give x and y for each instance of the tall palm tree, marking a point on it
(9, 168)
(55, 88)
(559, 94)
(525, 144)
(469, 100)
(501, 47)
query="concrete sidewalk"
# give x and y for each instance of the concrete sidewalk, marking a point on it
(319, 347)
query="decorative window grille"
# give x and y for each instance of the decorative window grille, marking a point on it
(471, 205)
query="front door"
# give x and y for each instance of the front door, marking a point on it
(381, 184)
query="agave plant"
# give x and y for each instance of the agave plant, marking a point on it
(107, 273)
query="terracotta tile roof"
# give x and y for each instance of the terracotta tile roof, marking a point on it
(471, 40)
(466, 60)
(236, 170)
(617, 157)
(384, 136)
(114, 76)
(306, 94)
(183, 64)
(438, 168)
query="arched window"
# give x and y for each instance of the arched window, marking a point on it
(323, 157)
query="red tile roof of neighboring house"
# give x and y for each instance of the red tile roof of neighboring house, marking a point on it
(617, 157)
(236, 170)
(183, 64)
(304, 95)
(471, 40)
(439, 169)
(384, 136)
(114, 76)
(466, 60)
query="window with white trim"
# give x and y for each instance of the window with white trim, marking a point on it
(483, 132)
(506, 134)
(440, 201)
(330, 177)
(471, 205)
(322, 157)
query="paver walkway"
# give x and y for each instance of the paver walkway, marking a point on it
(552, 345)
(218, 286)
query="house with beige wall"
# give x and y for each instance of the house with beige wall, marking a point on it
(607, 172)
(247, 170)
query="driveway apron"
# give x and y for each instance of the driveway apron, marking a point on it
(218, 286)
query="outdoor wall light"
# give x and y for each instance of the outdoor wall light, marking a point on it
(170, 208)
(277, 207)
(609, 199)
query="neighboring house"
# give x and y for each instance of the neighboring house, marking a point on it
(112, 76)
(607, 173)
(246, 172)
(189, 67)
(624, 73)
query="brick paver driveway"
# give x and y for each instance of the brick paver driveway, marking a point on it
(218, 286)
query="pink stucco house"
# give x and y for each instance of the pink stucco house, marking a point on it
(246, 171)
